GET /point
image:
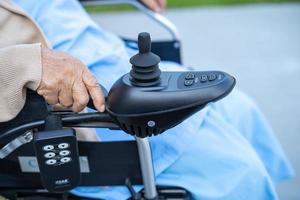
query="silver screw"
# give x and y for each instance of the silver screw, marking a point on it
(151, 123)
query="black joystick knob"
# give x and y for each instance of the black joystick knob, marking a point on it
(145, 71)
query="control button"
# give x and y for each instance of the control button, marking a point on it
(65, 159)
(190, 76)
(48, 147)
(188, 82)
(203, 78)
(49, 155)
(212, 77)
(50, 162)
(64, 153)
(63, 145)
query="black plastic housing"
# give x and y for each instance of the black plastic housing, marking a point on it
(146, 111)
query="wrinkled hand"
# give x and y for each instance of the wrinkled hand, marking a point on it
(155, 5)
(65, 80)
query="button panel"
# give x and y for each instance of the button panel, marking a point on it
(199, 79)
(57, 154)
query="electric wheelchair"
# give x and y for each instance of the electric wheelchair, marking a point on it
(40, 157)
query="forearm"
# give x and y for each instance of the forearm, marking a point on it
(20, 68)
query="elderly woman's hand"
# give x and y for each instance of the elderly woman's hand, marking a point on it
(65, 80)
(155, 5)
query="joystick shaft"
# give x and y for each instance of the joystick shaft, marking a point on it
(145, 71)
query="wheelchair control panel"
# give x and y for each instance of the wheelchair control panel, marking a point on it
(144, 102)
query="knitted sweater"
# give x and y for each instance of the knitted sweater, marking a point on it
(20, 58)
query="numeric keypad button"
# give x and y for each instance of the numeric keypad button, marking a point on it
(49, 155)
(63, 145)
(48, 147)
(64, 153)
(65, 159)
(51, 162)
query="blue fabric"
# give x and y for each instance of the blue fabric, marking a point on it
(226, 151)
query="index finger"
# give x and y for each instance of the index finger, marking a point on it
(94, 90)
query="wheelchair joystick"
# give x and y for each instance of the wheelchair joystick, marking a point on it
(145, 71)
(147, 102)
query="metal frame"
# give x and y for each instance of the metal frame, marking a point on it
(146, 163)
(157, 17)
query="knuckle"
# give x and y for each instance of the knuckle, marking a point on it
(77, 107)
(66, 103)
(83, 100)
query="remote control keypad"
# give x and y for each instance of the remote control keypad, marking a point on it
(57, 154)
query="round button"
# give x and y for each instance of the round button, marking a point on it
(50, 162)
(63, 145)
(64, 153)
(65, 159)
(203, 78)
(212, 77)
(49, 155)
(190, 76)
(48, 147)
(188, 82)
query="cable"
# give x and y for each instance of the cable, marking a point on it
(67, 120)
(22, 128)
(86, 117)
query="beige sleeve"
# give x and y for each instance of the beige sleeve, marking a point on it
(20, 68)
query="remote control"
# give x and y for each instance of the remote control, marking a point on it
(58, 160)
